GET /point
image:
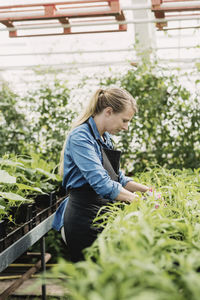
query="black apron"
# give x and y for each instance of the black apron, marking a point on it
(83, 206)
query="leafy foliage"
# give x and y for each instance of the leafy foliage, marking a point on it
(38, 122)
(21, 179)
(143, 252)
(50, 119)
(14, 128)
(166, 129)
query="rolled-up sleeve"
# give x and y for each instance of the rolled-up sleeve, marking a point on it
(124, 179)
(84, 155)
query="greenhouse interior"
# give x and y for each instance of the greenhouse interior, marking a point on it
(100, 126)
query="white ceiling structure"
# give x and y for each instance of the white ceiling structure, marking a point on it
(178, 45)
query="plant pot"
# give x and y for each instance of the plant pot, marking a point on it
(3, 224)
(22, 213)
(45, 200)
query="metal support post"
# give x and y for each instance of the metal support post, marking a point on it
(43, 265)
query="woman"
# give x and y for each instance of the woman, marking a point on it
(91, 173)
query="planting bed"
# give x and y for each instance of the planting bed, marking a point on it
(148, 249)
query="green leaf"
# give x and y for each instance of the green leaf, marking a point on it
(13, 196)
(49, 175)
(9, 162)
(22, 186)
(5, 177)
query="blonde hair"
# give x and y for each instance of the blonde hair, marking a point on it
(117, 98)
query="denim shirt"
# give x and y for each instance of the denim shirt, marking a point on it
(83, 164)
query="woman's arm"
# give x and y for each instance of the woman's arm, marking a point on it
(133, 186)
(127, 193)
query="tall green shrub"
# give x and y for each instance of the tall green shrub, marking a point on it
(14, 128)
(37, 122)
(50, 118)
(166, 129)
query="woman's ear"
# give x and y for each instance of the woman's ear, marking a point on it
(108, 111)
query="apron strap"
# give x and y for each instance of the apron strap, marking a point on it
(111, 158)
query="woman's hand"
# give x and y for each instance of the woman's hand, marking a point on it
(127, 196)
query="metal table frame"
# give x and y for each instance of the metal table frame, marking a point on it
(14, 251)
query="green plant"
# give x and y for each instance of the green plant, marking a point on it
(51, 119)
(21, 179)
(165, 130)
(14, 128)
(144, 252)
(37, 122)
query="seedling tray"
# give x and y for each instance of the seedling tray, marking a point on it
(19, 231)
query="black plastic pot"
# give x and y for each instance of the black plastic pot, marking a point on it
(22, 213)
(3, 224)
(45, 200)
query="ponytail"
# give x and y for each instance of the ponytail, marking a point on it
(86, 114)
(89, 111)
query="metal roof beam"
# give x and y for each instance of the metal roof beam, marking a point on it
(62, 12)
(163, 7)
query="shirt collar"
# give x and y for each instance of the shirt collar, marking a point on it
(95, 130)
